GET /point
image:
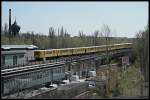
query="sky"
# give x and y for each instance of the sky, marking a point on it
(124, 19)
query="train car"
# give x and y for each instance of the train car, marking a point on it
(65, 52)
(39, 54)
(46, 53)
(112, 47)
(98, 48)
(102, 48)
(52, 53)
(49, 53)
(128, 45)
(80, 50)
(122, 46)
(118, 46)
(90, 49)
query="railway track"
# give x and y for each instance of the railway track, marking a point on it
(58, 62)
(41, 66)
(26, 68)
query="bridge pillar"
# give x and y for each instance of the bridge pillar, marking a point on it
(79, 69)
(44, 59)
(83, 69)
(68, 67)
(97, 63)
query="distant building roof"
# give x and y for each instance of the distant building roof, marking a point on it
(7, 47)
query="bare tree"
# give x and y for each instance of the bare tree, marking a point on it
(106, 34)
(142, 49)
(58, 38)
(81, 34)
(6, 30)
(62, 37)
(95, 37)
(51, 37)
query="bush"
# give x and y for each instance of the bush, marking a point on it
(116, 92)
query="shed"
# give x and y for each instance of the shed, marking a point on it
(17, 54)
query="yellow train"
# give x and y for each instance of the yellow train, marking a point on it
(79, 50)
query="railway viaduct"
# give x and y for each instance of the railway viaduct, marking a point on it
(79, 65)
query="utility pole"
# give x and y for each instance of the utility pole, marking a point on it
(9, 25)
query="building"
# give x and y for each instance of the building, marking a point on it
(16, 54)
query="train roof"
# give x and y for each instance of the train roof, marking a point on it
(16, 47)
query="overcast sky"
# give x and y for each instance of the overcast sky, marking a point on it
(125, 19)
